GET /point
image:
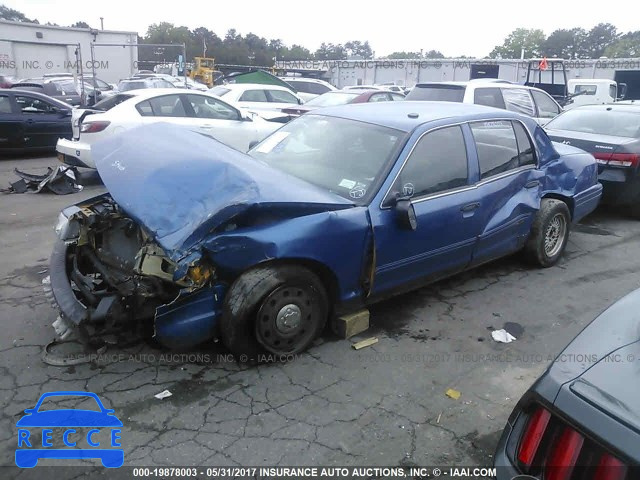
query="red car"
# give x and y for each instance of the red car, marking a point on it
(342, 97)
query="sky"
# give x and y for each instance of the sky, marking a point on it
(455, 28)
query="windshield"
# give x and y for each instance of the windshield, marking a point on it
(331, 99)
(604, 122)
(437, 93)
(344, 156)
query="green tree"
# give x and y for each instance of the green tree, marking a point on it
(563, 43)
(403, 54)
(12, 15)
(599, 38)
(295, 52)
(356, 48)
(433, 54)
(329, 51)
(529, 40)
(626, 46)
(80, 25)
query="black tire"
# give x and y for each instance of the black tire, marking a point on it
(249, 325)
(552, 220)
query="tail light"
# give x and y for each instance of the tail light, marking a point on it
(564, 455)
(610, 468)
(618, 159)
(551, 449)
(533, 436)
(93, 127)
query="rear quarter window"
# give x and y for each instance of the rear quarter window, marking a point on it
(491, 97)
(518, 100)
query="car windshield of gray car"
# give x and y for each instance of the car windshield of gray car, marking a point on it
(344, 156)
(602, 122)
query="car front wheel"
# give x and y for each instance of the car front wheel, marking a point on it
(549, 233)
(273, 310)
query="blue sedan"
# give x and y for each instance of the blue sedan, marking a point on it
(338, 209)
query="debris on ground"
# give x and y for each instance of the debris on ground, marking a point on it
(163, 394)
(365, 343)
(451, 393)
(514, 329)
(502, 336)
(439, 417)
(61, 180)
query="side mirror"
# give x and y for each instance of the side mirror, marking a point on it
(64, 112)
(406, 214)
(300, 101)
(622, 91)
(246, 117)
(253, 144)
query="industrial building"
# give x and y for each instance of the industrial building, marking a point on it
(30, 50)
(408, 72)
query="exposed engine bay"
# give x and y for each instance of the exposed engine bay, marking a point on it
(116, 272)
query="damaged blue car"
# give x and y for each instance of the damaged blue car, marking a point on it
(334, 211)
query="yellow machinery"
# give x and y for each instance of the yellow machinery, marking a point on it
(202, 71)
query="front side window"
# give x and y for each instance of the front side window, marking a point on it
(207, 107)
(496, 146)
(547, 107)
(518, 100)
(254, 96)
(437, 163)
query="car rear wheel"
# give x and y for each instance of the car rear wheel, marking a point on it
(273, 310)
(549, 233)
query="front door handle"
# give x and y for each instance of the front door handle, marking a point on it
(470, 207)
(532, 184)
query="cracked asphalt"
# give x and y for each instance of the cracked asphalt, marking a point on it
(332, 406)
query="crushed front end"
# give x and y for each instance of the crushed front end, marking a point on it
(109, 277)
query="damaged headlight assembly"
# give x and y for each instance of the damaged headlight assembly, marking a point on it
(66, 229)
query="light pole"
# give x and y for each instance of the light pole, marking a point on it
(101, 23)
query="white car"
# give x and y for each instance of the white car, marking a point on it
(501, 94)
(257, 97)
(203, 112)
(309, 88)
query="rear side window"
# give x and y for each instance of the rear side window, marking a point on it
(254, 96)
(438, 93)
(438, 163)
(379, 97)
(5, 104)
(280, 96)
(491, 97)
(309, 87)
(219, 91)
(518, 100)
(526, 151)
(165, 106)
(496, 146)
(547, 107)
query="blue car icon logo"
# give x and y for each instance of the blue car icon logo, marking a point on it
(66, 422)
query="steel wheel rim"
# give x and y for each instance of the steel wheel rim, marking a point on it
(554, 235)
(286, 320)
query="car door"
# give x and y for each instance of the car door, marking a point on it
(435, 178)
(44, 123)
(12, 126)
(509, 185)
(546, 107)
(221, 121)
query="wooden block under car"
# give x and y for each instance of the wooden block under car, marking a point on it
(346, 326)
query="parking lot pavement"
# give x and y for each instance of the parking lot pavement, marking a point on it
(382, 405)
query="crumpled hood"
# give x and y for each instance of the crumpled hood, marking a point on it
(180, 185)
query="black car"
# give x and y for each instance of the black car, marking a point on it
(611, 133)
(581, 419)
(64, 89)
(31, 121)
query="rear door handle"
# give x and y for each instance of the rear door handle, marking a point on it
(470, 207)
(30, 120)
(532, 184)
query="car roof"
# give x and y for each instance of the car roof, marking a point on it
(617, 107)
(480, 82)
(35, 94)
(247, 86)
(153, 92)
(396, 114)
(303, 79)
